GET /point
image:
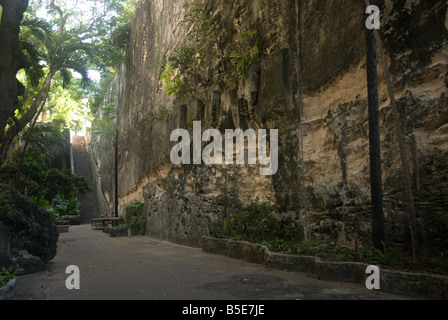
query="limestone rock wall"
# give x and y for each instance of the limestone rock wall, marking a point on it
(329, 191)
(336, 131)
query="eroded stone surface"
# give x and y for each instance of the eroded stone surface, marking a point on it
(182, 202)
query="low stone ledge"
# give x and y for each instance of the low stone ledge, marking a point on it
(289, 262)
(256, 253)
(253, 253)
(415, 284)
(214, 245)
(235, 250)
(341, 271)
(395, 282)
(250, 252)
(63, 228)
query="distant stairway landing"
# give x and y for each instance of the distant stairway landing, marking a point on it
(90, 208)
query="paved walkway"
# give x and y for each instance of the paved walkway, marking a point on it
(140, 268)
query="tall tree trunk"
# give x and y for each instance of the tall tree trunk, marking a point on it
(11, 61)
(376, 190)
(19, 124)
(403, 157)
(22, 157)
(402, 148)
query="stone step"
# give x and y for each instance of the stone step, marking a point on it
(90, 208)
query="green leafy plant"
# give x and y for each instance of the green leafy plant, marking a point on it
(247, 52)
(206, 26)
(64, 182)
(6, 205)
(41, 176)
(164, 115)
(64, 207)
(255, 222)
(185, 62)
(6, 275)
(378, 257)
(185, 58)
(41, 202)
(218, 229)
(171, 80)
(39, 182)
(135, 217)
(182, 68)
(244, 60)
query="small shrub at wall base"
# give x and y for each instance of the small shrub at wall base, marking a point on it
(6, 275)
(135, 217)
(255, 222)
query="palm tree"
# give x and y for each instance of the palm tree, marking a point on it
(12, 59)
(45, 140)
(61, 52)
(49, 53)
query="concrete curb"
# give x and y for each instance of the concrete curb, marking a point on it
(397, 282)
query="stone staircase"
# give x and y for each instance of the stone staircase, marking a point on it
(90, 208)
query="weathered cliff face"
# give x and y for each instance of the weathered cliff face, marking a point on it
(332, 182)
(336, 131)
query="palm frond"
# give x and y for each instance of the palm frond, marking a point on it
(39, 28)
(79, 64)
(47, 140)
(35, 72)
(34, 32)
(66, 77)
(67, 52)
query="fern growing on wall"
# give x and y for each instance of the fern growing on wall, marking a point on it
(171, 80)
